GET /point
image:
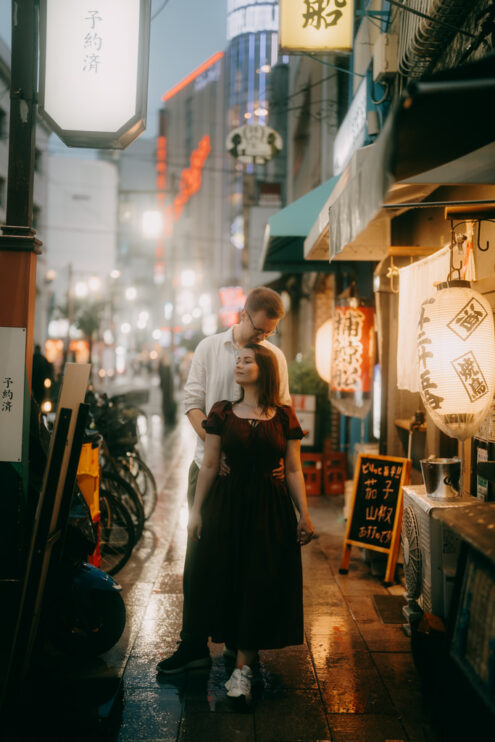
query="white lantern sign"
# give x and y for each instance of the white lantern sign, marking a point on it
(94, 70)
(456, 358)
(316, 25)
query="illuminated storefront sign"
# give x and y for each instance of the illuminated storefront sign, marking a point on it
(316, 25)
(251, 16)
(232, 299)
(94, 70)
(352, 132)
(352, 359)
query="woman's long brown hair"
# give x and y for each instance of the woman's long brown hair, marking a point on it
(268, 379)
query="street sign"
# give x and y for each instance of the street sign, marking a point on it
(12, 374)
(94, 70)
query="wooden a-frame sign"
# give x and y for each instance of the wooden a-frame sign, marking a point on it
(375, 516)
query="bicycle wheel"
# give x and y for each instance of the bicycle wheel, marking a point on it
(116, 533)
(143, 477)
(128, 495)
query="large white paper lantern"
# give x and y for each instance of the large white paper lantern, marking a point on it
(323, 350)
(456, 358)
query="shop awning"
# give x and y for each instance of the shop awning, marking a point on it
(286, 230)
(439, 132)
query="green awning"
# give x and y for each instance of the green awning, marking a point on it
(283, 247)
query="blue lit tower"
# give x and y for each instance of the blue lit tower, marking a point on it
(254, 75)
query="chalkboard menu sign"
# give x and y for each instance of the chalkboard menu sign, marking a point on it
(376, 510)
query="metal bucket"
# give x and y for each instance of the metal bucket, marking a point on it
(441, 477)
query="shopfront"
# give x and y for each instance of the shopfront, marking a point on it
(421, 202)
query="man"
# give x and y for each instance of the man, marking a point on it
(210, 379)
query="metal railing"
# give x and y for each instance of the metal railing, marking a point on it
(421, 40)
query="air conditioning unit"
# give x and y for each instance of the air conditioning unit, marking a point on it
(384, 57)
(430, 554)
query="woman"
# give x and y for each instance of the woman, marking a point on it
(248, 573)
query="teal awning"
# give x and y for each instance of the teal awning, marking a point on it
(283, 248)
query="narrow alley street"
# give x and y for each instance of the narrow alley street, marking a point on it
(353, 679)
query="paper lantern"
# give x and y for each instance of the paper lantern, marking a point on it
(352, 359)
(456, 358)
(323, 350)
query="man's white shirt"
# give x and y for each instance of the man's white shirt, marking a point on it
(211, 377)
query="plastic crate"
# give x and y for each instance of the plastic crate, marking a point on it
(334, 473)
(312, 470)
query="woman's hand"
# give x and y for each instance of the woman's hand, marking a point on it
(194, 525)
(305, 530)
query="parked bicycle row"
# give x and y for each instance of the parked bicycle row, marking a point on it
(127, 487)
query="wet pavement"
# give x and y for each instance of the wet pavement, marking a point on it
(353, 679)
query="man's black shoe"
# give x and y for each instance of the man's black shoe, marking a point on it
(186, 657)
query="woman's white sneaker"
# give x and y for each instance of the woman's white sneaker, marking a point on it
(239, 683)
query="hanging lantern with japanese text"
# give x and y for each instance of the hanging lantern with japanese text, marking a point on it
(352, 359)
(456, 358)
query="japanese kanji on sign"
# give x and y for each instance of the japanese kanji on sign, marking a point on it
(352, 359)
(94, 70)
(456, 358)
(12, 373)
(375, 515)
(316, 25)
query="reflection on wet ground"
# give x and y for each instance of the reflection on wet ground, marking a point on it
(353, 679)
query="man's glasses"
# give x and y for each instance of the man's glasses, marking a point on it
(259, 331)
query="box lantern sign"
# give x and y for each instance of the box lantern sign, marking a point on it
(94, 70)
(352, 359)
(254, 143)
(316, 25)
(456, 358)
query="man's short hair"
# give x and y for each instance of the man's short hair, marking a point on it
(263, 298)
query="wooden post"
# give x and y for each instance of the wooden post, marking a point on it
(18, 255)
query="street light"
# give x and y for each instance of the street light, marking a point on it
(152, 224)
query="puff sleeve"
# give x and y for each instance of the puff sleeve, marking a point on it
(216, 418)
(291, 424)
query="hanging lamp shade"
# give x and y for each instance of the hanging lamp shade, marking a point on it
(323, 350)
(456, 358)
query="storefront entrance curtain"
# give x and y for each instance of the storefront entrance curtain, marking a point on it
(439, 132)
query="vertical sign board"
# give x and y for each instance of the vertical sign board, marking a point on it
(12, 376)
(72, 394)
(376, 510)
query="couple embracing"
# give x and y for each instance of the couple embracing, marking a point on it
(242, 574)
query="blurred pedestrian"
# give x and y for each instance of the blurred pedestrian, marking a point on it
(247, 576)
(210, 379)
(169, 405)
(42, 370)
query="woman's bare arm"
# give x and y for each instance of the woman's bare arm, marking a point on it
(297, 490)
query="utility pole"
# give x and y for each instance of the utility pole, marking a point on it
(18, 255)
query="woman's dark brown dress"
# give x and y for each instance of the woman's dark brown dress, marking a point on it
(247, 589)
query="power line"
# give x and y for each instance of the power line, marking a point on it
(157, 13)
